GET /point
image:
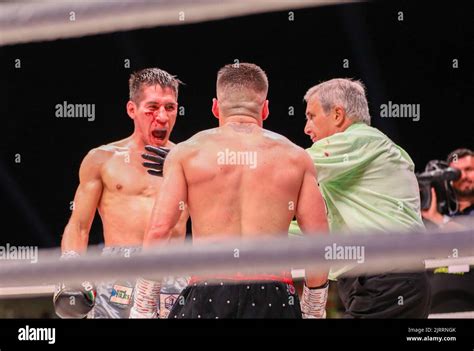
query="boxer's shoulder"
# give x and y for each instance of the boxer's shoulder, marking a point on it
(291, 149)
(91, 165)
(100, 155)
(103, 153)
(195, 142)
(170, 145)
(277, 138)
(201, 136)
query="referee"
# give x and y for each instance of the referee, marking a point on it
(369, 185)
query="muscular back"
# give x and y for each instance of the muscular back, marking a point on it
(242, 181)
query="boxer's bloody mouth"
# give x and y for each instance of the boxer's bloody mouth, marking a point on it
(159, 133)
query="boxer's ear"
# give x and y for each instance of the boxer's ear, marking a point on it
(265, 110)
(215, 108)
(131, 109)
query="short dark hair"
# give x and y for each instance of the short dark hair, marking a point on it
(241, 89)
(150, 77)
(459, 153)
(243, 76)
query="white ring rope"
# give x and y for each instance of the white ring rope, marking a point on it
(382, 252)
(50, 20)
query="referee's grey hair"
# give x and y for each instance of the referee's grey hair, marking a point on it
(344, 92)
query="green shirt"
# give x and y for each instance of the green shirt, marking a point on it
(367, 182)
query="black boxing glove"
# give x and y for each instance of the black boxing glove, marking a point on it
(157, 160)
(73, 302)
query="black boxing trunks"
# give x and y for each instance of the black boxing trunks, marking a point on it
(263, 296)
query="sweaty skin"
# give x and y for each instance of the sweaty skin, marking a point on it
(114, 181)
(231, 201)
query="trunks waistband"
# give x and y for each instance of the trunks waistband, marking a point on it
(283, 278)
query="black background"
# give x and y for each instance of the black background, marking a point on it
(346, 334)
(406, 62)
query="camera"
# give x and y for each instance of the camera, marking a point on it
(439, 175)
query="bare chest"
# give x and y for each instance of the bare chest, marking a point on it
(124, 174)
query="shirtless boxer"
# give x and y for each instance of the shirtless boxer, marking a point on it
(113, 180)
(228, 199)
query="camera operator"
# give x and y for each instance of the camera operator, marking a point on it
(452, 288)
(463, 160)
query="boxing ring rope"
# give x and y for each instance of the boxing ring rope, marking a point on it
(382, 252)
(409, 252)
(39, 290)
(460, 315)
(50, 20)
